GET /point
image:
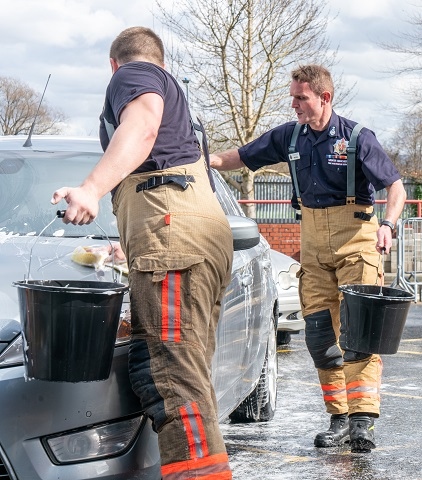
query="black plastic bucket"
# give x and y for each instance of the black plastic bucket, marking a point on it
(373, 318)
(69, 328)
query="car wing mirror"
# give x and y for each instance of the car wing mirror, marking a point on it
(245, 232)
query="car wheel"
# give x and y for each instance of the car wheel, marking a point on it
(283, 338)
(260, 405)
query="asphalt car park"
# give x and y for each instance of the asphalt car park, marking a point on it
(283, 449)
(94, 429)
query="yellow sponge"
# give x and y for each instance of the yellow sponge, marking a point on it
(90, 256)
(95, 257)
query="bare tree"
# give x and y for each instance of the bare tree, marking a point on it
(408, 47)
(405, 148)
(18, 106)
(238, 54)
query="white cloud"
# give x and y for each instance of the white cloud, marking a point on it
(359, 29)
(69, 39)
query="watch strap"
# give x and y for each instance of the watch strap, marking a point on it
(388, 224)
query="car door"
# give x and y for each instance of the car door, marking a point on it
(237, 337)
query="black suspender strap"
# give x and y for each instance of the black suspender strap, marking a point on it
(351, 163)
(293, 157)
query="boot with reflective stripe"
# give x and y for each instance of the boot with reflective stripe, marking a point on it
(337, 433)
(362, 433)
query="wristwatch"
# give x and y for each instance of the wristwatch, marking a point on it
(388, 224)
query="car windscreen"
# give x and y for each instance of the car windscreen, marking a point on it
(225, 197)
(27, 182)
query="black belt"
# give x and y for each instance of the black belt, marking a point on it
(362, 215)
(152, 182)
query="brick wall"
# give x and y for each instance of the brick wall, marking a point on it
(283, 237)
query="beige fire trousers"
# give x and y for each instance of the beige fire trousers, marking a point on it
(339, 249)
(179, 248)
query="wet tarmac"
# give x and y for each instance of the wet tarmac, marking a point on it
(283, 448)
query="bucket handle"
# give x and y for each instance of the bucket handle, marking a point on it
(61, 214)
(381, 259)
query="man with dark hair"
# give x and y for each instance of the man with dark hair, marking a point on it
(341, 239)
(178, 245)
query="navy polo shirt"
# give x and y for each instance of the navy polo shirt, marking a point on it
(176, 142)
(322, 167)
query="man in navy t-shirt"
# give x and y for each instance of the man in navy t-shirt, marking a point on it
(178, 245)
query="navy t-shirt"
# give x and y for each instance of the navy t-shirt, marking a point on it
(176, 143)
(322, 167)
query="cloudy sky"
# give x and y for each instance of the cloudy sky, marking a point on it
(70, 39)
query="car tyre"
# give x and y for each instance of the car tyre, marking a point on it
(283, 337)
(260, 405)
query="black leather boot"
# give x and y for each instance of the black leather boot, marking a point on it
(337, 433)
(362, 433)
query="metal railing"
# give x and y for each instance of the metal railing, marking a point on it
(409, 256)
(273, 193)
(289, 213)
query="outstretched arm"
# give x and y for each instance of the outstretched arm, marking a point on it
(227, 160)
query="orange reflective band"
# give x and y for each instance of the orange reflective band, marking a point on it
(195, 432)
(333, 393)
(362, 395)
(214, 467)
(332, 387)
(201, 429)
(165, 310)
(334, 398)
(361, 383)
(177, 305)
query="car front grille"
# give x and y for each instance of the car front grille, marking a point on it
(3, 471)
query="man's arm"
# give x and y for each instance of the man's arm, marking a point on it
(227, 160)
(129, 147)
(396, 196)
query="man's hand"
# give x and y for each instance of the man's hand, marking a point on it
(385, 239)
(116, 254)
(82, 204)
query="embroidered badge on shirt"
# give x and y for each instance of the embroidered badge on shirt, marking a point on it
(339, 157)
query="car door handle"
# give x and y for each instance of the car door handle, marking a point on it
(247, 280)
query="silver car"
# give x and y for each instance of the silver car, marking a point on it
(95, 429)
(290, 319)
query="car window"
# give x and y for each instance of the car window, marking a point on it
(27, 181)
(225, 196)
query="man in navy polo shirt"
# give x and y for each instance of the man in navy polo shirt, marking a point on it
(341, 239)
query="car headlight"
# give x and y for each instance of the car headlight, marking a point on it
(124, 330)
(93, 443)
(13, 354)
(289, 279)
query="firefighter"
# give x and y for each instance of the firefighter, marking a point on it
(341, 239)
(178, 245)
